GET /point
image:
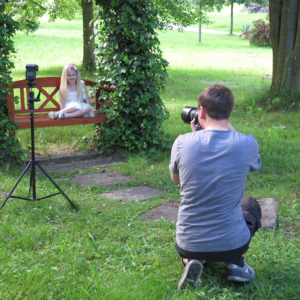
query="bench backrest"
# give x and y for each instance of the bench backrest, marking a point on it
(41, 84)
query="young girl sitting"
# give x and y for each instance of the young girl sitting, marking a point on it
(74, 98)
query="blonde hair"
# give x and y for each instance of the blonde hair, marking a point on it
(63, 89)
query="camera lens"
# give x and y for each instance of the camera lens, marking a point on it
(189, 113)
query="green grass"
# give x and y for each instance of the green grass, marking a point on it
(106, 251)
(221, 20)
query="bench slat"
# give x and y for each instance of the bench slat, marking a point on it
(22, 99)
(49, 99)
(42, 120)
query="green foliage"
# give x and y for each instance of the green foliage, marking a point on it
(260, 34)
(63, 9)
(176, 12)
(10, 148)
(202, 7)
(26, 13)
(281, 99)
(129, 60)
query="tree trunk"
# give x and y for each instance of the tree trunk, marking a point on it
(199, 34)
(88, 32)
(231, 18)
(285, 39)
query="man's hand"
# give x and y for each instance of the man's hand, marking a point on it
(193, 125)
(175, 178)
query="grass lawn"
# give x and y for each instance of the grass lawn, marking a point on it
(221, 20)
(106, 251)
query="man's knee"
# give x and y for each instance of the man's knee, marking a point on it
(251, 213)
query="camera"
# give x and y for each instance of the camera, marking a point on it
(31, 72)
(188, 114)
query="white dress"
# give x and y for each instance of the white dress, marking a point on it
(73, 102)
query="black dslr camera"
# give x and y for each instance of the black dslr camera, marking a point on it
(188, 114)
(31, 72)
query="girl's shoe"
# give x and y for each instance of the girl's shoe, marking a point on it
(62, 115)
(52, 115)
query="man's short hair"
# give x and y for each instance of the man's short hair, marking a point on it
(217, 100)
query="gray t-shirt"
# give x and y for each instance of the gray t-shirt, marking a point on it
(213, 167)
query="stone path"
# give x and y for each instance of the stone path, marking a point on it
(100, 179)
(167, 210)
(137, 193)
(72, 163)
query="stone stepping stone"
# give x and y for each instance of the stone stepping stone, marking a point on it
(80, 164)
(269, 209)
(101, 179)
(137, 193)
(169, 211)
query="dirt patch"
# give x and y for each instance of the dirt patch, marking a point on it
(2, 194)
(138, 193)
(167, 211)
(55, 150)
(101, 179)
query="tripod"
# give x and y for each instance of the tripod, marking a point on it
(33, 163)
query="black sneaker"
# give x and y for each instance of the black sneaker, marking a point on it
(236, 273)
(191, 275)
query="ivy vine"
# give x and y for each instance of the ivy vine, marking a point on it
(10, 148)
(129, 60)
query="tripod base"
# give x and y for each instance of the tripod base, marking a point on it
(32, 187)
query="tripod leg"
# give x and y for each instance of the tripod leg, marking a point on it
(31, 181)
(23, 173)
(38, 164)
(32, 185)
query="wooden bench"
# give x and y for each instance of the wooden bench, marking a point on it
(47, 104)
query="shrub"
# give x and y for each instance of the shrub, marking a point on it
(129, 60)
(260, 33)
(10, 148)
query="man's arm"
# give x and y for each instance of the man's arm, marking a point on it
(175, 178)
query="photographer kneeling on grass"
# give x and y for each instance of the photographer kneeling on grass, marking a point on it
(215, 223)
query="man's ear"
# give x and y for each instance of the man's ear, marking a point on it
(202, 112)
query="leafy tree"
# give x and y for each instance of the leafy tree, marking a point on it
(129, 60)
(10, 148)
(27, 15)
(177, 12)
(67, 9)
(201, 7)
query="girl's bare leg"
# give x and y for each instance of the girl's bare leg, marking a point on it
(54, 115)
(77, 113)
(69, 110)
